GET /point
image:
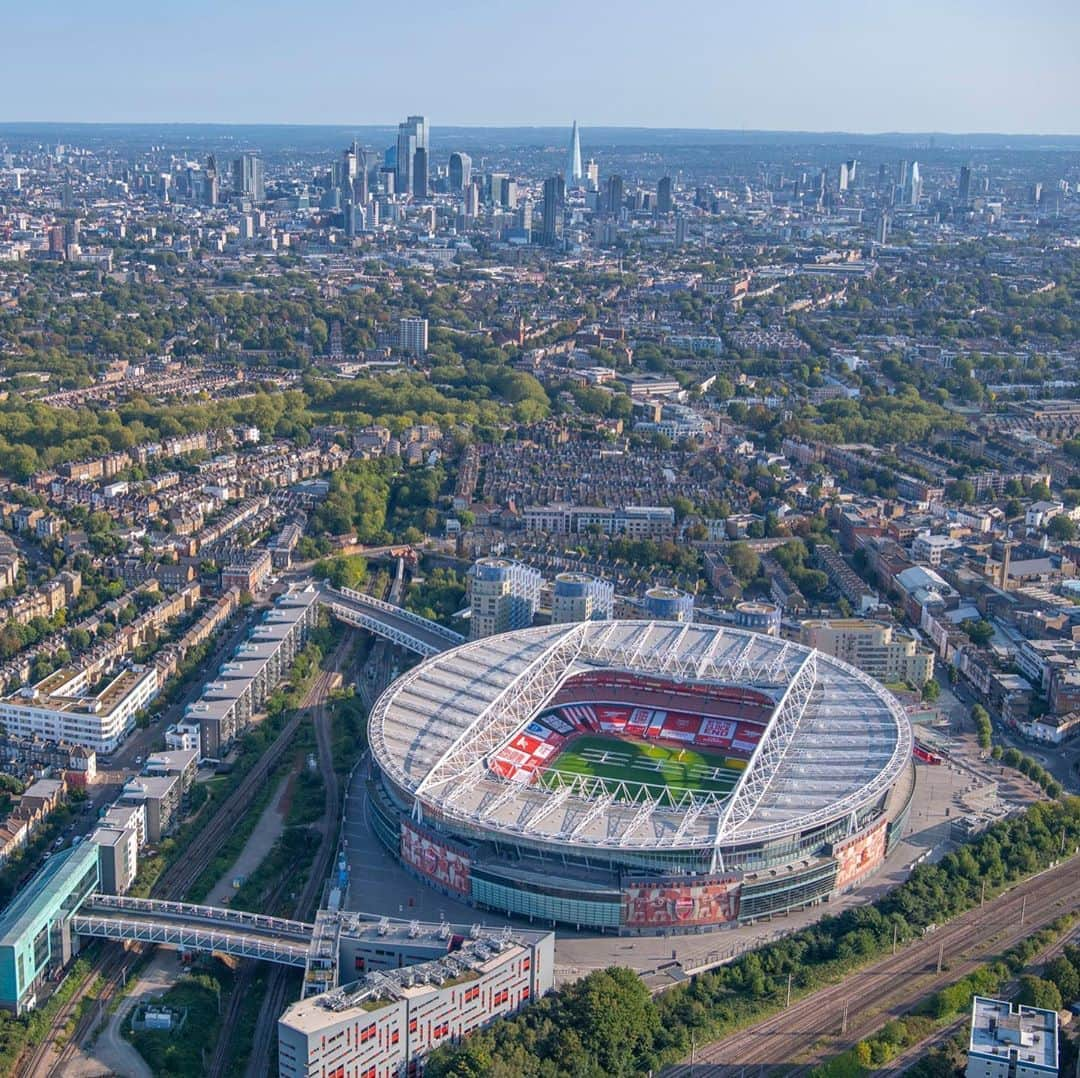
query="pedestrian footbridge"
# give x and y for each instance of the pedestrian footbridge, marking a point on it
(189, 927)
(393, 623)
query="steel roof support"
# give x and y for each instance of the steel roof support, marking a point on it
(511, 708)
(770, 751)
(594, 811)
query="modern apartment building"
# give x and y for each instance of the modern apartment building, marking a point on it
(581, 597)
(1009, 1041)
(80, 706)
(872, 646)
(503, 595)
(419, 987)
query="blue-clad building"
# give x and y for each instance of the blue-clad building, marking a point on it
(35, 930)
(669, 604)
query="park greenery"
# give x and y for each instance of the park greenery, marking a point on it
(607, 1024)
(437, 596)
(179, 1053)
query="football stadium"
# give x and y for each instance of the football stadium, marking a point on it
(639, 777)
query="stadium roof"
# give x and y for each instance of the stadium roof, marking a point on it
(835, 742)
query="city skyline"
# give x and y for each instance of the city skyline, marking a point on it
(969, 69)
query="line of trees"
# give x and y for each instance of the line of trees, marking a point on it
(983, 730)
(1028, 766)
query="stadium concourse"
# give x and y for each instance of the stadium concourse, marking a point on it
(638, 777)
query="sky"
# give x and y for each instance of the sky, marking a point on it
(794, 65)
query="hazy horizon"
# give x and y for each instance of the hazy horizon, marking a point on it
(837, 67)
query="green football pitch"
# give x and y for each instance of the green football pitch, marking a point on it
(643, 764)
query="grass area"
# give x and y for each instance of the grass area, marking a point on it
(182, 1053)
(646, 763)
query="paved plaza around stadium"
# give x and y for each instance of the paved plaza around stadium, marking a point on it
(379, 884)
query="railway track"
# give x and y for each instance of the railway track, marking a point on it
(915, 1052)
(174, 884)
(834, 1018)
(278, 981)
(178, 878)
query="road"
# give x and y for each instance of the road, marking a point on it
(1062, 761)
(836, 1017)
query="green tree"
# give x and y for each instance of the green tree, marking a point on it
(344, 571)
(962, 491)
(1061, 528)
(979, 632)
(744, 561)
(1037, 992)
(983, 730)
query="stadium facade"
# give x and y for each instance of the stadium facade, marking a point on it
(639, 777)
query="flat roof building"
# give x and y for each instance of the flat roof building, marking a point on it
(1010, 1041)
(390, 1018)
(160, 796)
(244, 683)
(35, 930)
(81, 707)
(669, 604)
(503, 595)
(118, 856)
(872, 646)
(581, 597)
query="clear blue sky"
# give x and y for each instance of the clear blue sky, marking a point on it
(851, 65)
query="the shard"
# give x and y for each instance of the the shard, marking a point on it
(574, 173)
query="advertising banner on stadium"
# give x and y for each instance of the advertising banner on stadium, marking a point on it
(716, 732)
(860, 854)
(434, 858)
(661, 903)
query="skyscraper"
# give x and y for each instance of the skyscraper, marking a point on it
(496, 183)
(551, 211)
(963, 193)
(882, 235)
(663, 195)
(472, 199)
(615, 195)
(211, 191)
(420, 172)
(412, 136)
(573, 165)
(914, 185)
(360, 181)
(592, 175)
(248, 177)
(460, 171)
